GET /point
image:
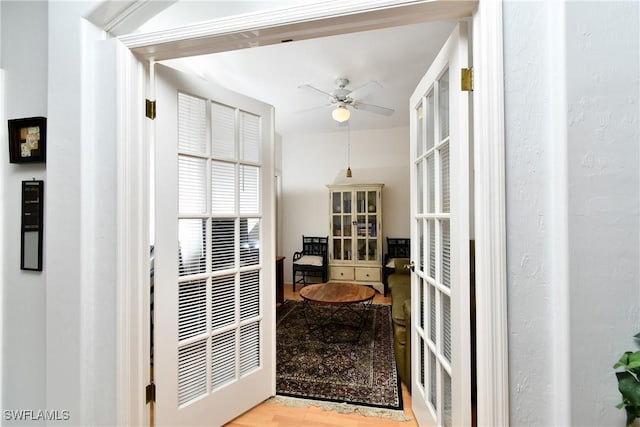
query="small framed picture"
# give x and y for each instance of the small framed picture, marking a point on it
(28, 140)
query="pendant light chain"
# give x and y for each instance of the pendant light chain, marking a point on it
(348, 151)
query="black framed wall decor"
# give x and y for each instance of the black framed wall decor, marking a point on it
(31, 225)
(28, 140)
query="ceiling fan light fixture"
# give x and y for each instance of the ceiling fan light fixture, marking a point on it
(341, 114)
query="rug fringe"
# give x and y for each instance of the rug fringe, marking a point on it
(342, 408)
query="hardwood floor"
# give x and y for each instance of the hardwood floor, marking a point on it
(274, 414)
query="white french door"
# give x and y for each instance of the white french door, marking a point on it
(214, 354)
(440, 328)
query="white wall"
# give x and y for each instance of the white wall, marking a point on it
(311, 162)
(572, 132)
(603, 124)
(81, 276)
(58, 329)
(24, 60)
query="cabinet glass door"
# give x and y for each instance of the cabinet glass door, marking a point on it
(341, 230)
(367, 225)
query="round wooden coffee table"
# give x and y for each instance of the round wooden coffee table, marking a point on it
(334, 307)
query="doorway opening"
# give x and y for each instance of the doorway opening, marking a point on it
(144, 50)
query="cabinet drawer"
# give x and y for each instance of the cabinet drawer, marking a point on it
(341, 273)
(367, 274)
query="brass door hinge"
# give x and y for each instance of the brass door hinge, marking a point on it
(150, 392)
(150, 110)
(467, 79)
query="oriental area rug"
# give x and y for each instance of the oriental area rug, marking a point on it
(361, 373)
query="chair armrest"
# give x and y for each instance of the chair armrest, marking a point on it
(297, 255)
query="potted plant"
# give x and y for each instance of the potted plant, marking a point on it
(629, 383)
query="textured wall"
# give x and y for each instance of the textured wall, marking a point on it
(24, 60)
(603, 65)
(571, 95)
(528, 207)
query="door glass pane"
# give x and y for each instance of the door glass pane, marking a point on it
(446, 253)
(223, 131)
(249, 190)
(445, 326)
(249, 347)
(192, 183)
(422, 301)
(249, 241)
(192, 252)
(420, 131)
(446, 399)
(420, 186)
(431, 184)
(433, 394)
(192, 371)
(432, 313)
(223, 188)
(223, 358)
(192, 124)
(422, 378)
(432, 249)
(444, 178)
(249, 294)
(223, 296)
(223, 244)
(420, 232)
(250, 137)
(443, 105)
(430, 116)
(192, 309)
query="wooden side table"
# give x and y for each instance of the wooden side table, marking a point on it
(279, 279)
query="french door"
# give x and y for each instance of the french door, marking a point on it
(440, 327)
(214, 355)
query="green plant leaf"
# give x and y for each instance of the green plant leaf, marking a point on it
(624, 360)
(630, 361)
(633, 412)
(637, 335)
(629, 388)
(634, 361)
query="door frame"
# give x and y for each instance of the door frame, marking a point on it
(317, 20)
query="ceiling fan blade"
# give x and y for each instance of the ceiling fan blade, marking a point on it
(365, 89)
(374, 109)
(315, 89)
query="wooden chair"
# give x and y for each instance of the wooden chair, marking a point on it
(396, 248)
(312, 260)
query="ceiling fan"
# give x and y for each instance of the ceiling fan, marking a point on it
(341, 98)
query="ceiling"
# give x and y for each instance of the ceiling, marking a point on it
(394, 57)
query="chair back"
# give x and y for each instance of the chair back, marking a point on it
(398, 247)
(315, 246)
